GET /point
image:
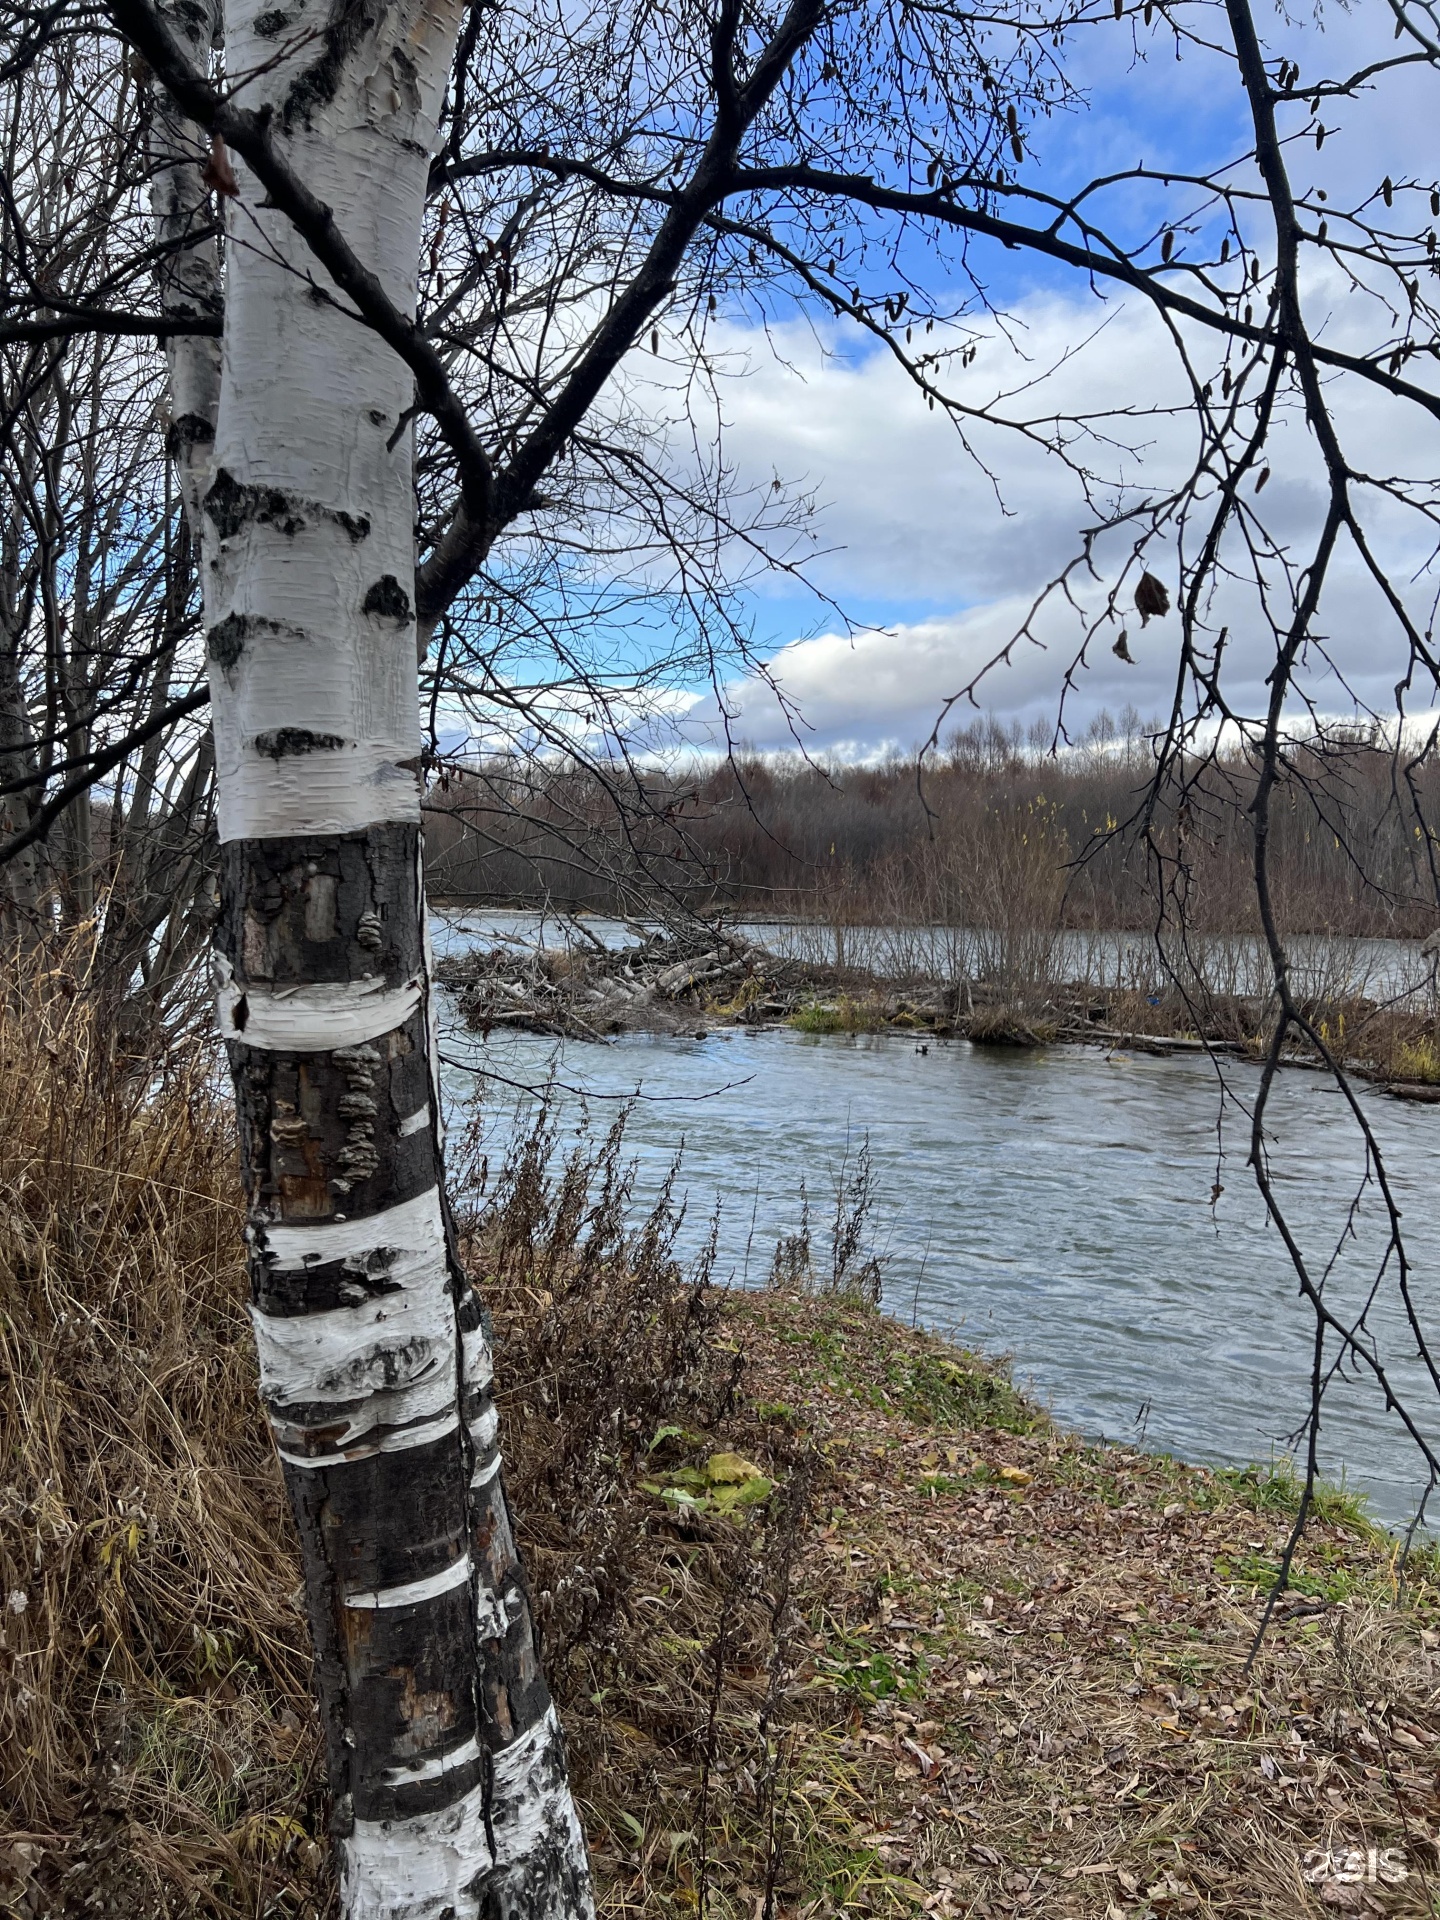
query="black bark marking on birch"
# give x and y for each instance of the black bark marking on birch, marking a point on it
(194, 20)
(407, 78)
(309, 1501)
(349, 23)
(225, 641)
(189, 430)
(286, 1292)
(395, 1685)
(234, 505)
(412, 1699)
(321, 1133)
(424, 1488)
(279, 743)
(270, 25)
(387, 599)
(513, 1693)
(325, 909)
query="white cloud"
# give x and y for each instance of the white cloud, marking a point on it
(914, 537)
(862, 695)
(913, 531)
(915, 513)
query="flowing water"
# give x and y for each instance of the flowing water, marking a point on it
(1053, 1205)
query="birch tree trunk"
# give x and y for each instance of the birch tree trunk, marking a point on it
(445, 1758)
(189, 276)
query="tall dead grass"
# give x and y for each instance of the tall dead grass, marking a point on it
(158, 1753)
(996, 1669)
(661, 1517)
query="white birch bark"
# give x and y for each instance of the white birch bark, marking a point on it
(444, 1753)
(311, 564)
(188, 276)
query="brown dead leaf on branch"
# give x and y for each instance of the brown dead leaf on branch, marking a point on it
(1152, 596)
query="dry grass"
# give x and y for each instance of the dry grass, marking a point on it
(1009, 1026)
(1374, 1042)
(155, 1719)
(837, 1622)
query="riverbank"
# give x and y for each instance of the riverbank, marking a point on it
(838, 1621)
(1028, 1668)
(692, 981)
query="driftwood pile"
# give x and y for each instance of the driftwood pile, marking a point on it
(682, 981)
(691, 979)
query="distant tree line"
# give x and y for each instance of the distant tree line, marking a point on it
(996, 828)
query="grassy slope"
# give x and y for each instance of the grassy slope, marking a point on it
(1026, 1658)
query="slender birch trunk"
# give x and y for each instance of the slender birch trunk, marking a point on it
(445, 1758)
(157, 841)
(23, 889)
(189, 276)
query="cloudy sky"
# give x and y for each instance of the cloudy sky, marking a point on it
(936, 569)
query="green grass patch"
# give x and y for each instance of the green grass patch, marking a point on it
(868, 1674)
(838, 1016)
(1331, 1585)
(1278, 1488)
(939, 1392)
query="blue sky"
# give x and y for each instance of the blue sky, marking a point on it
(935, 553)
(916, 542)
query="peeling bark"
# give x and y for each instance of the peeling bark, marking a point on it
(376, 1373)
(445, 1759)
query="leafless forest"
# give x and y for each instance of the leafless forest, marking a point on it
(995, 828)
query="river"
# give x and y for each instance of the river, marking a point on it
(1053, 1205)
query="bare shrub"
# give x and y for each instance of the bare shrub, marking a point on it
(855, 1272)
(603, 1337)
